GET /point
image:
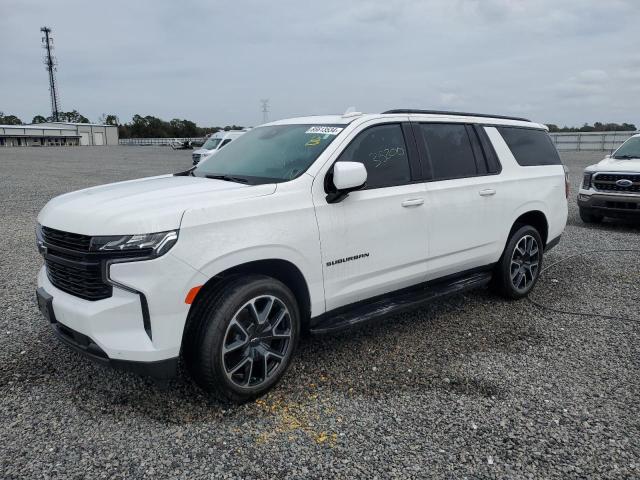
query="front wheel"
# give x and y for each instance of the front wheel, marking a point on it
(518, 269)
(245, 339)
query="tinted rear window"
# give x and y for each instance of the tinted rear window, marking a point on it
(449, 150)
(530, 147)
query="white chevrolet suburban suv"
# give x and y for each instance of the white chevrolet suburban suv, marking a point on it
(309, 224)
(611, 188)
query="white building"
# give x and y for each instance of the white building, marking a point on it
(58, 134)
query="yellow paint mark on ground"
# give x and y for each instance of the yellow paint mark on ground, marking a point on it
(291, 418)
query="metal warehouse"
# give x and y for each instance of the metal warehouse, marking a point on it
(58, 134)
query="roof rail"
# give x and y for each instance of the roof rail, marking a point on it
(462, 114)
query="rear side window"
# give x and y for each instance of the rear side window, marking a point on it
(449, 150)
(530, 147)
(382, 150)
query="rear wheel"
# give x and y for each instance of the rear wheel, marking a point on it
(519, 267)
(245, 338)
(589, 217)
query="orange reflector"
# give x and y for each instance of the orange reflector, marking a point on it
(191, 296)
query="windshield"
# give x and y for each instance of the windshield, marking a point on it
(212, 143)
(269, 154)
(629, 149)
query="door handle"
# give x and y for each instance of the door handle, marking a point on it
(413, 202)
(487, 193)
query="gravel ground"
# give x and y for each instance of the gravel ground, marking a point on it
(472, 386)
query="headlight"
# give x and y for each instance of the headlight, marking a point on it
(586, 180)
(148, 245)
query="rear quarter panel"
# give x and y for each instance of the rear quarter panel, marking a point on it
(526, 189)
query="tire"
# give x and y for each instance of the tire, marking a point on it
(242, 338)
(588, 217)
(519, 267)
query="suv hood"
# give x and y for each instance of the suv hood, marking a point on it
(613, 165)
(147, 205)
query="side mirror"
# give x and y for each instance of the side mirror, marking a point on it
(347, 177)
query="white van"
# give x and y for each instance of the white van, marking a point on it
(214, 143)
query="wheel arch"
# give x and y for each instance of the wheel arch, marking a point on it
(536, 219)
(282, 270)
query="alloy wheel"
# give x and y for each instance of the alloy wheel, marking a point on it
(256, 341)
(525, 262)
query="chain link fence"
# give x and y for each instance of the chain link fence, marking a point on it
(162, 142)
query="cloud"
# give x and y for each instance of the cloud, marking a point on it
(451, 99)
(592, 77)
(565, 62)
(586, 84)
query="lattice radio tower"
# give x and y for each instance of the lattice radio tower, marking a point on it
(265, 110)
(52, 66)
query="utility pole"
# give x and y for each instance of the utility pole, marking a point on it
(52, 67)
(265, 110)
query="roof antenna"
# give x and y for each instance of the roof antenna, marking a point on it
(351, 112)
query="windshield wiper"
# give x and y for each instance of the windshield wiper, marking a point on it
(186, 173)
(228, 178)
(625, 157)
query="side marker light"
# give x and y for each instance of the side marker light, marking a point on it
(191, 296)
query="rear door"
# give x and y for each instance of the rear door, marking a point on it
(462, 191)
(375, 240)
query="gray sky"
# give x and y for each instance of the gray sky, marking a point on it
(555, 61)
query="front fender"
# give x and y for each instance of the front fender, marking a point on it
(247, 255)
(274, 227)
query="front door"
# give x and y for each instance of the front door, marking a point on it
(375, 240)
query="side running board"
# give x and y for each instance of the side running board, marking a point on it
(395, 302)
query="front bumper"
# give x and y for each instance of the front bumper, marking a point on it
(160, 369)
(113, 330)
(610, 205)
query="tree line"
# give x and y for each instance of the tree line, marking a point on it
(153, 127)
(149, 126)
(596, 127)
(73, 117)
(140, 126)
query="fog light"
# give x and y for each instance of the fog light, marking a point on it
(583, 198)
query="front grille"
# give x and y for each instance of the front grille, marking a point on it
(72, 267)
(82, 279)
(72, 241)
(606, 182)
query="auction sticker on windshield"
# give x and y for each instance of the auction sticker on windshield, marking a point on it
(324, 130)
